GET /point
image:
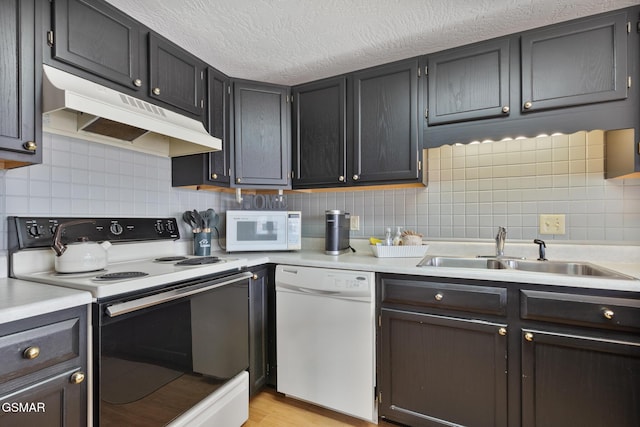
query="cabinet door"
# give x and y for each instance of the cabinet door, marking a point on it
(175, 77)
(59, 400)
(386, 124)
(575, 64)
(219, 126)
(262, 136)
(258, 330)
(99, 39)
(20, 116)
(570, 380)
(320, 134)
(442, 371)
(469, 83)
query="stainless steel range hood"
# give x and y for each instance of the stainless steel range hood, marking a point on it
(79, 108)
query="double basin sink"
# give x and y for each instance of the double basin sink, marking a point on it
(498, 263)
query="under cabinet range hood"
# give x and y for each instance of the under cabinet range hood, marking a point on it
(76, 107)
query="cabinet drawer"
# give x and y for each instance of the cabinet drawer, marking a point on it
(615, 313)
(471, 298)
(31, 350)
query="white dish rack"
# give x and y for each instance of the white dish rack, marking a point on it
(382, 251)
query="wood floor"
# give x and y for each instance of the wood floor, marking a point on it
(271, 409)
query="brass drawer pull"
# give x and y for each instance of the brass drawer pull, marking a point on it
(31, 352)
(77, 377)
(30, 146)
(439, 296)
(608, 314)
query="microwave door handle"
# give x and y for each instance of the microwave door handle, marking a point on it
(151, 300)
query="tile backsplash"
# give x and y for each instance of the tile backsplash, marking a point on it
(472, 190)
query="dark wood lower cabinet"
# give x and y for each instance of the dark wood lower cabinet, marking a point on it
(442, 371)
(577, 380)
(54, 401)
(258, 367)
(43, 370)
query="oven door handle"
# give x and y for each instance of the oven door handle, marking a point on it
(151, 300)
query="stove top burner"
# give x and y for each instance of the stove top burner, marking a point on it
(200, 261)
(121, 275)
(170, 258)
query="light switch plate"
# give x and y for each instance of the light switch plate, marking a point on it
(355, 223)
(552, 224)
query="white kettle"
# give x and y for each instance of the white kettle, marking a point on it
(81, 256)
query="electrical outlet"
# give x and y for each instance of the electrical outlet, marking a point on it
(552, 224)
(355, 223)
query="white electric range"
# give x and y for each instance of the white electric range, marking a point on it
(158, 313)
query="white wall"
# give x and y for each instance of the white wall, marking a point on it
(472, 190)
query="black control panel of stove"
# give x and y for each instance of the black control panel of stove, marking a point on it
(38, 232)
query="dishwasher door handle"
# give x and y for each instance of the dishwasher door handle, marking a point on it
(300, 289)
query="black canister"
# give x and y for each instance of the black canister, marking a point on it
(336, 238)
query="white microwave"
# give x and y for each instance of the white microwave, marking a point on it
(249, 231)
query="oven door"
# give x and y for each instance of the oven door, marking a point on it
(161, 354)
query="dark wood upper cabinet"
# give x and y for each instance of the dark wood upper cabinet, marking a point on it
(262, 135)
(469, 83)
(386, 136)
(99, 39)
(219, 89)
(175, 76)
(320, 133)
(210, 168)
(573, 64)
(20, 77)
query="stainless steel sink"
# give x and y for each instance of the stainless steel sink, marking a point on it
(441, 261)
(566, 268)
(550, 267)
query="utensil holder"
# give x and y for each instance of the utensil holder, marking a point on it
(202, 243)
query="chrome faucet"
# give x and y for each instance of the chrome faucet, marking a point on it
(500, 238)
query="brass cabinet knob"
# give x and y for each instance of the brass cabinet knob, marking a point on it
(505, 109)
(137, 82)
(356, 177)
(608, 314)
(156, 91)
(77, 377)
(528, 105)
(341, 178)
(30, 146)
(238, 180)
(214, 176)
(528, 336)
(439, 296)
(31, 352)
(502, 331)
(254, 277)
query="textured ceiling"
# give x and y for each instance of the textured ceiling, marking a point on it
(297, 41)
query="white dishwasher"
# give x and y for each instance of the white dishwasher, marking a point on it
(325, 338)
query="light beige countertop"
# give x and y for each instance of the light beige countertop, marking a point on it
(20, 299)
(622, 259)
